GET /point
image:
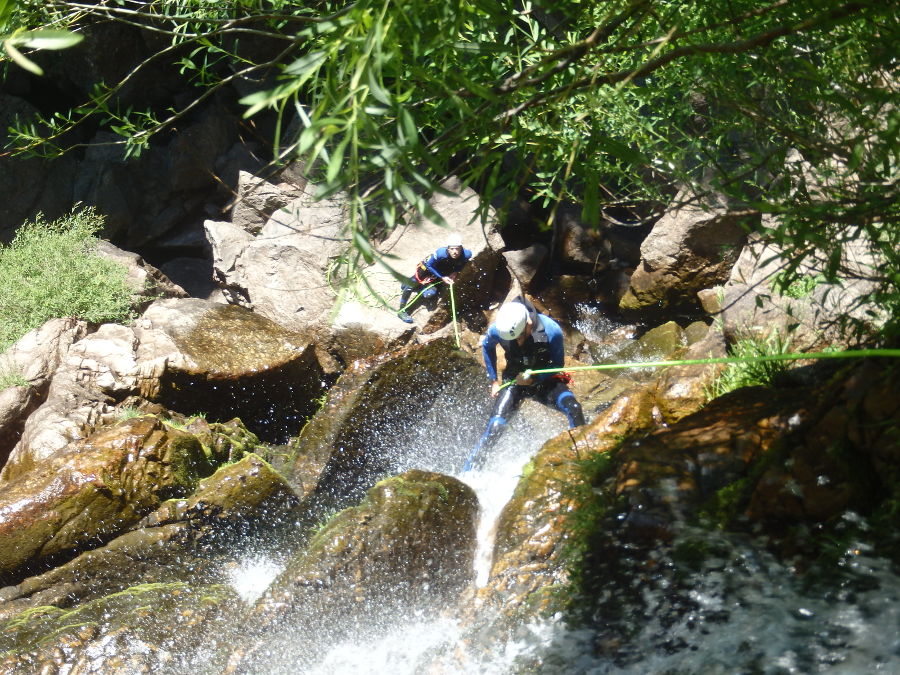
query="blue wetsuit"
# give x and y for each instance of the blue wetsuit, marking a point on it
(544, 348)
(436, 266)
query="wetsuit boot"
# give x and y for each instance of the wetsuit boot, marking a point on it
(404, 298)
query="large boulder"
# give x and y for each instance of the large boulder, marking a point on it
(147, 282)
(282, 273)
(407, 548)
(187, 354)
(86, 493)
(689, 249)
(383, 417)
(180, 541)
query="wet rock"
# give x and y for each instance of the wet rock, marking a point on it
(682, 390)
(407, 547)
(378, 408)
(179, 541)
(152, 628)
(85, 494)
(534, 525)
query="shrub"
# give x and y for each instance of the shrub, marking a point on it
(50, 270)
(750, 372)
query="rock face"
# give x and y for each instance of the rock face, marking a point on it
(689, 249)
(373, 411)
(35, 357)
(188, 354)
(95, 488)
(813, 314)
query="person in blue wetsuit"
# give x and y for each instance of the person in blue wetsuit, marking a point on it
(442, 265)
(530, 341)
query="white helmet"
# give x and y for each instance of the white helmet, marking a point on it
(511, 319)
(454, 240)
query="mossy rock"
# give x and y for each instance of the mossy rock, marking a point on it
(94, 489)
(130, 631)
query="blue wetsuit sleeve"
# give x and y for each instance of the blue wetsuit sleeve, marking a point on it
(489, 352)
(432, 260)
(557, 347)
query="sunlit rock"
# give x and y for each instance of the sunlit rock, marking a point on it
(147, 282)
(689, 249)
(34, 357)
(179, 541)
(84, 495)
(151, 628)
(811, 311)
(282, 272)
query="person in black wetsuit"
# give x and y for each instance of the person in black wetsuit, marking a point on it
(442, 265)
(530, 341)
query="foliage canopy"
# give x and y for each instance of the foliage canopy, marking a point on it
(785, 109)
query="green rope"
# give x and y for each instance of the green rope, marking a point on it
(453, 312)
(417, 296)
(852, 354)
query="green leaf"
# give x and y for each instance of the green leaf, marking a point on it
(306, 64)
(408, 126)
(6, 10)
(362, 244)
(48, 39)
(336, 160)
(377, 91)
(17, 56)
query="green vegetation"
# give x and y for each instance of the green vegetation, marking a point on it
(795, 286)
(751, 372)
(50, 271)
(783, 109)
(10, 377)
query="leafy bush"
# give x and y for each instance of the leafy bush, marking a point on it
(50, 271)
(795, 287)
(749, 373)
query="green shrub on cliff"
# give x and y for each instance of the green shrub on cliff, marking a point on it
(50, 270)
